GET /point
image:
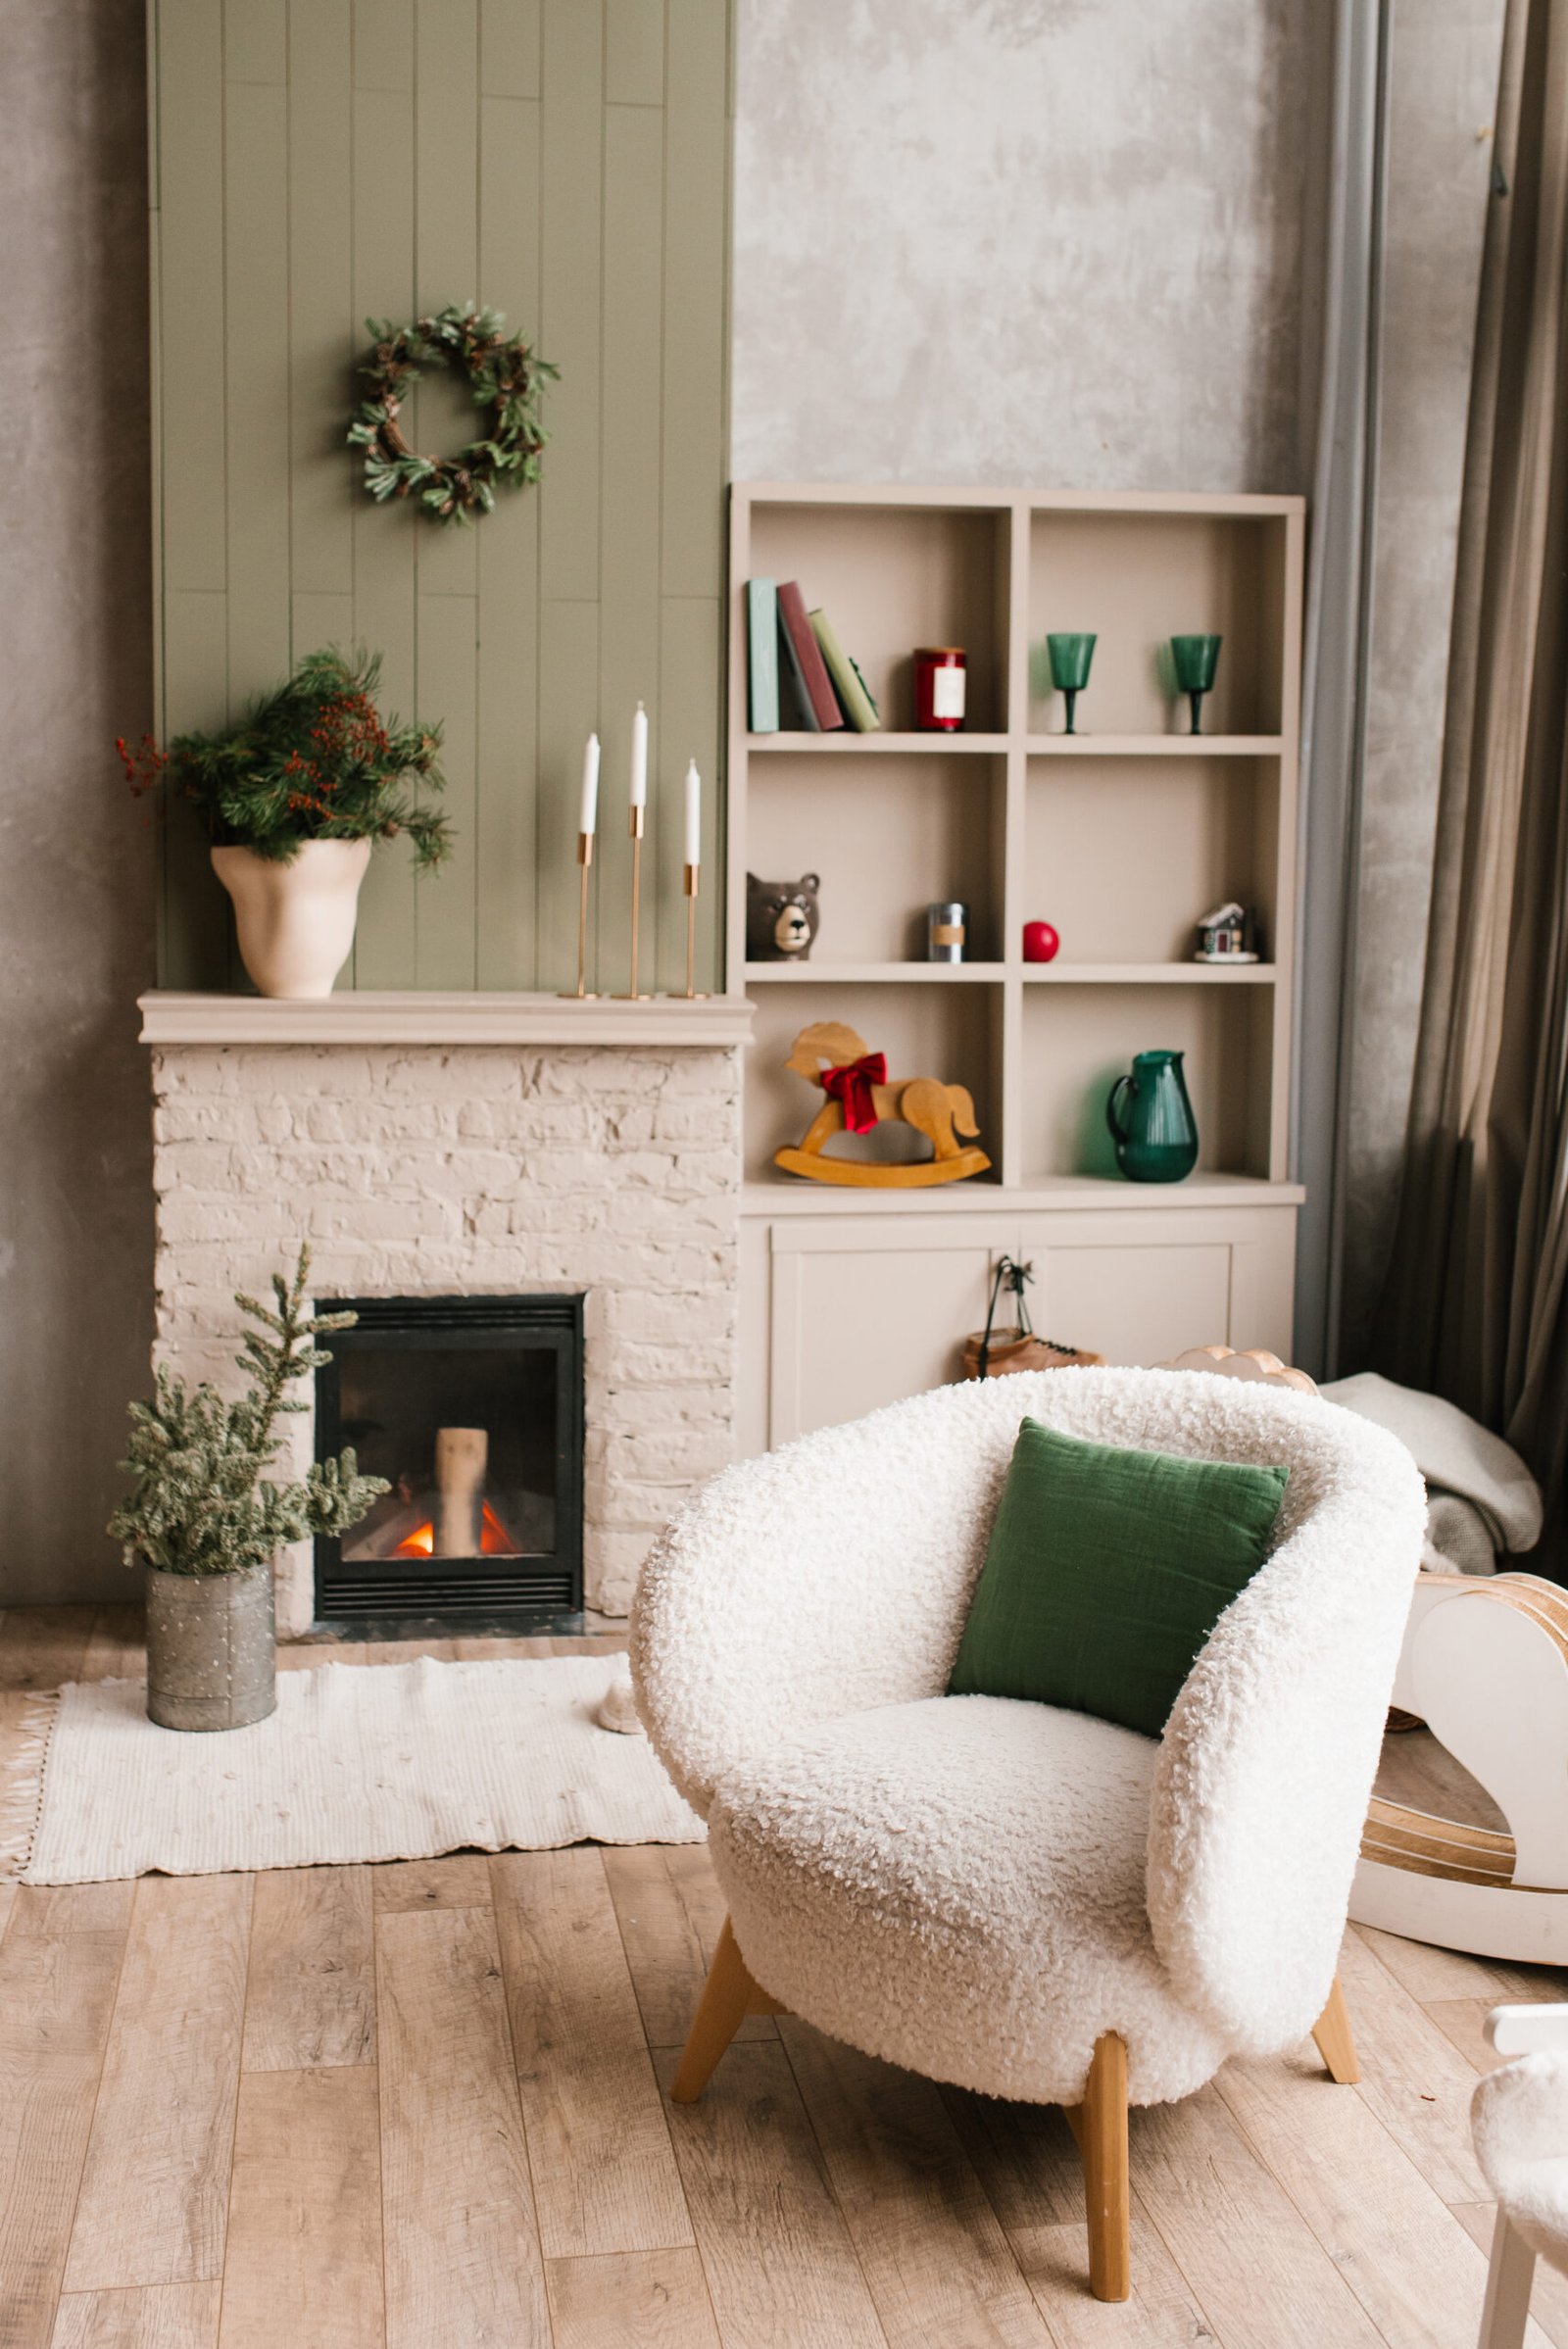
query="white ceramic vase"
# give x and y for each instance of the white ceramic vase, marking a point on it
(295, 921)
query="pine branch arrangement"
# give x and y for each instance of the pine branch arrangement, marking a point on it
(313, 760)
(200, 1502)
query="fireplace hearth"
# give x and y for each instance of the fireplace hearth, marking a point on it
(471, 1407)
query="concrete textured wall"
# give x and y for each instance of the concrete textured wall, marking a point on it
(1046, 242)
(75, 864)
(1442, 90)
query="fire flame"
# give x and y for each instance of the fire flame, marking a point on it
(494, 1539)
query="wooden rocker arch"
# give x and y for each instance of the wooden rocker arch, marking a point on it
(1485, 1664)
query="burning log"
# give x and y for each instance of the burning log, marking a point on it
(461, 1457)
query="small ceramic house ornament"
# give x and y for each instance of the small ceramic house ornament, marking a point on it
(1222, 936)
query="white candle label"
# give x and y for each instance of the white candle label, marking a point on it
(946, 693)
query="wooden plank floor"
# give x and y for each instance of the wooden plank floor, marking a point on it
(421, 2107)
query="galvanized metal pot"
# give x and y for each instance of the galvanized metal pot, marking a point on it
(210, 1648)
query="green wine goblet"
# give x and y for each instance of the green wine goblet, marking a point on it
(1196, 659)
(1070, 656)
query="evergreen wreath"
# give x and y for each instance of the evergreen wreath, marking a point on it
(504, 377)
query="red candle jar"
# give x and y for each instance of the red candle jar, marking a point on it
(940, 681)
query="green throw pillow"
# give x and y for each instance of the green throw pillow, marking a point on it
(1106, 1573)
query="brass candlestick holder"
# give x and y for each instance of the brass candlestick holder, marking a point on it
(581, 993)
(635, 826)
(691, 882)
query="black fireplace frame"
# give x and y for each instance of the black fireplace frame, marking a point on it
(531, 1590)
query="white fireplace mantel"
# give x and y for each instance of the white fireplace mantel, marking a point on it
(394, 1017)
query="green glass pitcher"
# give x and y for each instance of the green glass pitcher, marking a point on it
(1159, 1142)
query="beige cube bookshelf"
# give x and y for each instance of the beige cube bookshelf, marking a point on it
(1122, 835)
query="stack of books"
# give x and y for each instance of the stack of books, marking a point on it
(799, 665)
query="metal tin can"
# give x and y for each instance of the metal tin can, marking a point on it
(210, 1648)
(946, 928)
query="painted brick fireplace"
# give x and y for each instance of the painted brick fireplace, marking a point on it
(463, 1146)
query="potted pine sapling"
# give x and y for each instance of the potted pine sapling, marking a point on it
(206, 1522)
(293, 799)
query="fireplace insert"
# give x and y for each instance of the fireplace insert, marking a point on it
(471, 1407)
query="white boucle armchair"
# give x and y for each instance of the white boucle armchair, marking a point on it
(1519, 2118)
(1029, 1903)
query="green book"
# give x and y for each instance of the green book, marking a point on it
(848, 682)
(762, 623)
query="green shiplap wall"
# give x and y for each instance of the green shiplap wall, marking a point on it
(567, 161)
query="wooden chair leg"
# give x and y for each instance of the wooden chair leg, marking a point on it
(1506, 2312)
(729, 1995)
(1099, 2125)
(1336, 2043)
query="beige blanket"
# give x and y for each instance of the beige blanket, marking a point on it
(1482, 1496)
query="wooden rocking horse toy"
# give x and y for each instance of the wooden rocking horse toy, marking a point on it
(860, 1097)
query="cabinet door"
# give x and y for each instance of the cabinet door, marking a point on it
(1138, 1302)
(1138, 1286)
(863, 1317)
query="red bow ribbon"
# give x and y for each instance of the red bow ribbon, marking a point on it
(852, 1085)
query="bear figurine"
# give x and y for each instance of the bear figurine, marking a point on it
(781, 918)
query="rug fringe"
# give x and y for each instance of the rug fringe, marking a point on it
(22, 1782)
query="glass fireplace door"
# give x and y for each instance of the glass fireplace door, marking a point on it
(471, 1408)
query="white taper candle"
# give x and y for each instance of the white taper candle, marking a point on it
(639, 758)
(588, 813)
(693, 815)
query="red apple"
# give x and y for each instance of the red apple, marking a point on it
(1040, 942)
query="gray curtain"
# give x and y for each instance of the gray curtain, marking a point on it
(1474, 1306)
(1334, 702)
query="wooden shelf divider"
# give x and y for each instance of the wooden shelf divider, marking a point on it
(941, 746)
(1149, 974)
(1154, 746)
(991, 974)
(873, 974)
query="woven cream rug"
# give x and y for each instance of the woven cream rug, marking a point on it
(359, 1762)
